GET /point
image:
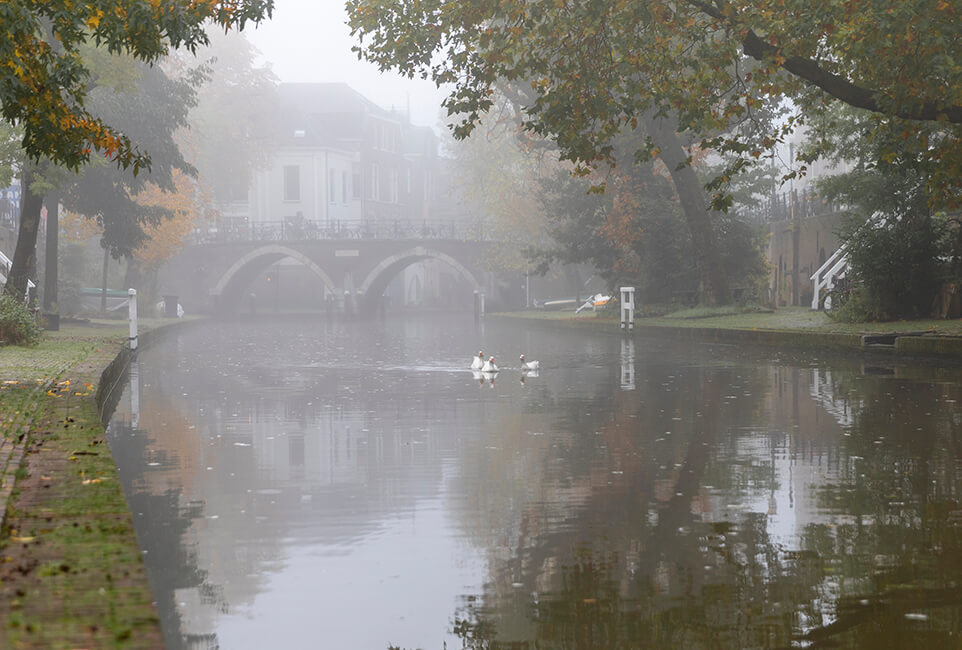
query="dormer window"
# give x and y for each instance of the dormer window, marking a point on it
(300, 133)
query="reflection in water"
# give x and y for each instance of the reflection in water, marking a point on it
(350, 487)
(627, 363)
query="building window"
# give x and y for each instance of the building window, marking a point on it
(393, 198)
(374, 192)
(331, 187)
(292, 183)
(344, 187)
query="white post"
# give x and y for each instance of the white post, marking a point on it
(132, 310)
(481, 296)
(628, 308)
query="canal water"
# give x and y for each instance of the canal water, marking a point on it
(322, 484)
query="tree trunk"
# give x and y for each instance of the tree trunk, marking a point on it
(25, 254)
(103, 284)
(50, 279)
(694, 204)
(133, 277)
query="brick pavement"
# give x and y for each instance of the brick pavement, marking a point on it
(71, 573)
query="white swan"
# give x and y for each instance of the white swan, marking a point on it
(478, 362)
(529, 365)
(489, 366)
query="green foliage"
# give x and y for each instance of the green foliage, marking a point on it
(895, 269)
(724, 68)
(635, 234)
(18, 325)
(899, 258)
(149, 107)
(44, 79)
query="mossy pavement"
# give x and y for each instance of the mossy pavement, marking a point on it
(71, 573)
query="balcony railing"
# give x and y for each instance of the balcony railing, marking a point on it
(797, 204)
(240, 230)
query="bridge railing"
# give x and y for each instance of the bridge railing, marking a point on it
(293, 229)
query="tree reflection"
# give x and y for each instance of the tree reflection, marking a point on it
(639, 533)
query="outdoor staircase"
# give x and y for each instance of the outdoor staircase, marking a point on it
(825, 278)
(5, 264)
(834, 269)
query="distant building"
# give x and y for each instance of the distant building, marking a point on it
(342, 164)
(343, 167)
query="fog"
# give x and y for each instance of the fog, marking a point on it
(309, 41)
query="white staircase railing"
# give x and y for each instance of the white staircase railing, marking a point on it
(5, 264)
(834, 269)
(825, 277)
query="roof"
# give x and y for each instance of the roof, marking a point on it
(332, 97)
(323, 114)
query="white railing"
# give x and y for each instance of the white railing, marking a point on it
(834, 269)
(6, 263)
(825, 277)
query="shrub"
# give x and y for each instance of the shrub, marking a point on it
(895, 267)
(18, 325)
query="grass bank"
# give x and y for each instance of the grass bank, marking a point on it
(71, 572)
(795, 326)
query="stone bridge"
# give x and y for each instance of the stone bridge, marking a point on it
(216, 277)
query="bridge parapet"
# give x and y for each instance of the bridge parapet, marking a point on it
(215, 276)
(300, 229)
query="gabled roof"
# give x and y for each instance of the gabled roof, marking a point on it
(323, 114)
(332, 97)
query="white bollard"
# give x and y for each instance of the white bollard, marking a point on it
(132, 310)
(628, 308)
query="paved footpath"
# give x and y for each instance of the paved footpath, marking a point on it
(71, 572)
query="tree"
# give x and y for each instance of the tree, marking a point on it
(635, 233)
(44, 79)
(44, 82)
(187, 205)
(900, 255)
(717, 70)
(498, 176)
(150, 107)
(597, 66)
(230, 127)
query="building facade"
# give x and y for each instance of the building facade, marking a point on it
(342, 166)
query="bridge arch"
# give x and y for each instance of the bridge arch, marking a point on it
(381, 275)
(227, 293)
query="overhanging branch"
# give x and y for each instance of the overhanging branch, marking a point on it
(844, 90)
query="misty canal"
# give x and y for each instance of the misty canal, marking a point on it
(353, 485)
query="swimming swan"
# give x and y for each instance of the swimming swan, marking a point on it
(529, 365)
(478, 362)
(489, 366)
